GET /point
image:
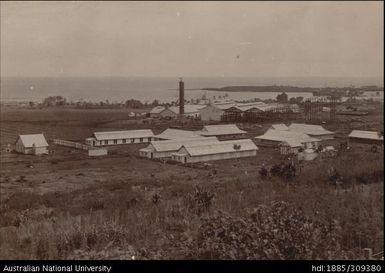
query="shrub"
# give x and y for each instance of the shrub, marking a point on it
(279, 231)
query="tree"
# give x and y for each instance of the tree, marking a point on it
(31, 104)
(54, 101)
(282, 97)
(263, 172)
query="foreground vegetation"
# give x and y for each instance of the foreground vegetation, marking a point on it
(262, 217)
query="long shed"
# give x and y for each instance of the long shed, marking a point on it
(312, 130)
(171, 133)
(369, 137)
(120, 137)
(217, 151)
(274, 137)
(222, 131)
(165, 149)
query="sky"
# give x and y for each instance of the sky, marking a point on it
(192, 39)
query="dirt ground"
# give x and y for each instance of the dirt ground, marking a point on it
(67, 169)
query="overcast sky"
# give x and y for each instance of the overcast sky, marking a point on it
(264, 39)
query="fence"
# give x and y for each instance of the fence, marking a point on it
(92, 151)
(72, 144)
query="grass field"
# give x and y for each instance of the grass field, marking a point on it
(119, 206)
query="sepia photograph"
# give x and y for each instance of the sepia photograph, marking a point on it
(191, 130)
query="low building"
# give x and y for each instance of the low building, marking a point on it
(218, 151)
(176, 134)
(369, 137)
(275, 138)
(290, 146)
(222, 131)
(120, 137)
(316, 131)
(154, 113)
(31, 144)
(165, 149)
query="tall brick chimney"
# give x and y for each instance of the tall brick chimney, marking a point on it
(181, 96)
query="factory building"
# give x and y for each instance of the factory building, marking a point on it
(214, 112)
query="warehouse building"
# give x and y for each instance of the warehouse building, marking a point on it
(223, 131)
(369, 137)
(35, 144)
(316, 131)
(165, 149)
(190, 110)
(176, 134)
(214, 112)
(120, 137)
(276, 138)
(217, 151)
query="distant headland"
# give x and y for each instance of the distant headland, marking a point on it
(292, 89)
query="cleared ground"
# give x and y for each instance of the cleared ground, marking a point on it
(113, 200)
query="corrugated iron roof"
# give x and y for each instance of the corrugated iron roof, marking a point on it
(176, 144)
(123, 134)
(218, 130)
(37, 140)
(366, 135)
(176, 134)
(280, 126)
(282, 135)
(292, 143)
(229, 146)
(309, 129)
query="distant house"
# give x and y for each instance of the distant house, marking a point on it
(316, 131)
(176, 134)
(154, 113)
(286, 138)
(120, 137)
(369, 137)
(217, 151)
(165, 149)
(31, 144)
(222, 131)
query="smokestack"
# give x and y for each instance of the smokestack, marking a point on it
(181, 97)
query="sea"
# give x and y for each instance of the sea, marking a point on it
(163, 89)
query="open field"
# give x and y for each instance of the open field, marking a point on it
(119, 206)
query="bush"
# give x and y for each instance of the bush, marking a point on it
(279, 231)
